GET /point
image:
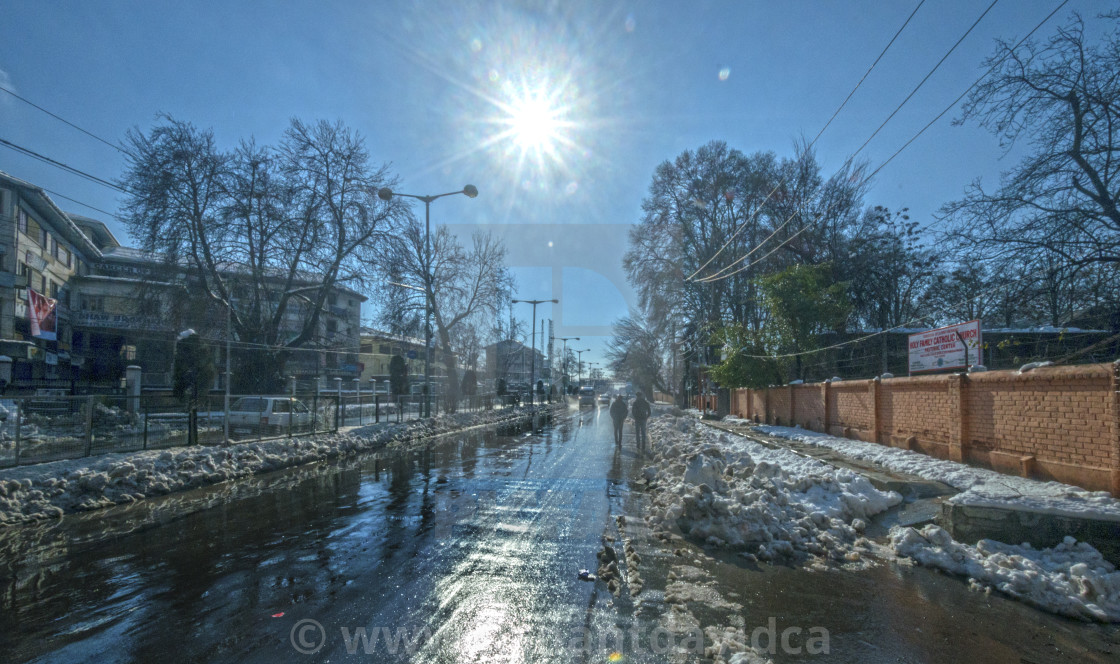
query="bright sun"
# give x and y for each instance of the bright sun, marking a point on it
(534, 124)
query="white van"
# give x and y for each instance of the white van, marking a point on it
(587, 396)
(268, 415)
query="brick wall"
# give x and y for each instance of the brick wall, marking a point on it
(1060, 423)
(808, 410)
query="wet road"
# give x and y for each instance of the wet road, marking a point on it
(464, 552)
(473, 544)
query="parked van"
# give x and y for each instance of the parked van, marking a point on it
(586, 396)
(268, 415)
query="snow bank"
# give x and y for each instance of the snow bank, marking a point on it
(728, 491)
(978, 486)
(1071, 579)
(52, 489)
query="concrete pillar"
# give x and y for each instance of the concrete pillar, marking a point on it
(792, 406)
(958, 417)
(5, 372)
(292, 385)
(1114, 387)
(766, 406)
(826, 422)
(873, 388)
(132, 386)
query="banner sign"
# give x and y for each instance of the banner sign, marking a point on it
(40, 311)
(951, 347)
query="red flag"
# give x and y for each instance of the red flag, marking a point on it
(40, 311)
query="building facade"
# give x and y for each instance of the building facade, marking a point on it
(117, 306)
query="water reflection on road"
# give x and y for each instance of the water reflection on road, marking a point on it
(472, 543)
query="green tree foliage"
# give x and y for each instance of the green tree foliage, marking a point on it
(803, 303)
(193, 376)
(398, 376)
(743, 364)
(470, 383)
(194, 371)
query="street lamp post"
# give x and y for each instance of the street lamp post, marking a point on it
(564, 355)
(579, 366)
(386, 194)
(533, 347)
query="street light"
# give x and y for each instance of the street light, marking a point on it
(564, 355)
(579, 365)
(533, 347)
(386, 194)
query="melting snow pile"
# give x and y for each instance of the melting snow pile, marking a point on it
(728, 491)
(978, 486)
(1071, 579)
(53, 489)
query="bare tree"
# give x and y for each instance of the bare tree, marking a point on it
(469, 286)
(1061, 97)
(265, 234)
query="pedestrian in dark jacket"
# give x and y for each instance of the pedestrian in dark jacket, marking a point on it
(618, 414)
(641, 412)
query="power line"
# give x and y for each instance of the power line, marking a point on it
(59, 164)
(723, 274)
(851, 158)
(64, 120)
(74, 200)
(814, 141)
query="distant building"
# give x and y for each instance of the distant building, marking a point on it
(513, 361)
(378, 349)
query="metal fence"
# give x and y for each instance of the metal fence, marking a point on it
(52, 427)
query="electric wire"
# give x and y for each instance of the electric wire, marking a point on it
(723, 274)
(815, 138)
(64, 120)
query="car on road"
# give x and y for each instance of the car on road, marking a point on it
(604, 399)
(268, 416)
(587, 396)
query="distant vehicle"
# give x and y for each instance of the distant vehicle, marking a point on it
(268, 415)
(604, 399)
(587, 396)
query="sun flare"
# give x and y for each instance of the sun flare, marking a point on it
(534, 124)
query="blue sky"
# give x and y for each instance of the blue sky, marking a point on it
(431, 85)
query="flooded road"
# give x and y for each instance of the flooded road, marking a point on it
(467, 551)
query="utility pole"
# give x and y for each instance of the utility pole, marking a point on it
(564, 357)
(533, 347)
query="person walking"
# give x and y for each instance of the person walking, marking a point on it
(618, 414)
(641, 412)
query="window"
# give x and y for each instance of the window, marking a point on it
(93, 303)
(332, 326)
(384, 349)
(21, 216)
(66, 257)
(43, 237)
(366, 348)
(54, 289)
(332, 299)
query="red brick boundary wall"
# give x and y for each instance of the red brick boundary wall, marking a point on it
(1052, 423)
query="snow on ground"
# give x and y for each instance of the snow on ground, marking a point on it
(978, 486)
(52, 489)
(1071, 579)
(725, 490)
